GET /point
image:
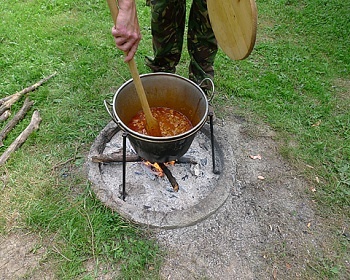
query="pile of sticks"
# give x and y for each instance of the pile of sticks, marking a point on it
(5, 111)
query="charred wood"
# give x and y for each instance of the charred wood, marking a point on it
(170, 177)
(118, 157)
(114, 157)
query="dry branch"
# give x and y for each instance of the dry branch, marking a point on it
(115, 157)
(118, 157)
(170, 177)
(33, 125)
(7, 102)
(5, 116)
(2, 100)
(16, 119)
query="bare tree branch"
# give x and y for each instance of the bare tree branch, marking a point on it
(118, 157)
(5, 116)
(33, 125)
(16, 119)
(2, 100)
(10, 100)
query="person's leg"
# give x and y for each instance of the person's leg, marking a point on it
(201, 43)
(168, 25)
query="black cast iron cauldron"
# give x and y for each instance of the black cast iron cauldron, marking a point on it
(162, 90)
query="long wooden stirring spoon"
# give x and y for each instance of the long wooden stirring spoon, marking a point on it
(152, 125)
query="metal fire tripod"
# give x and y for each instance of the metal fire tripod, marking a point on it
(215, 170)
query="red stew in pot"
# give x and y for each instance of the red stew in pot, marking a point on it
(171, 122)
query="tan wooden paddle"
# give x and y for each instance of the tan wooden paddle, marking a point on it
(234, 23)
(152, 125)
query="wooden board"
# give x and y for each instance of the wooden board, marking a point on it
(234, 23)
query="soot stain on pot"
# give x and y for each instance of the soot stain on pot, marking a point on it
(162, 89)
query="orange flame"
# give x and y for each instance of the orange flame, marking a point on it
(155, 168)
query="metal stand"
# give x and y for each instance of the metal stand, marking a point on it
(124, 163)
(215, 170)
(211, 116)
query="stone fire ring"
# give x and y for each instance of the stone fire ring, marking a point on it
(160, 219)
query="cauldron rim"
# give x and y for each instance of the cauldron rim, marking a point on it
(162, 149)
(162, 139)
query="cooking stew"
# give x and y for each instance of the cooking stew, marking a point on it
(171, 122)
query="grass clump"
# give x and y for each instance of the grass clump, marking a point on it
(44, 188)
(296, 80)
(86, 230)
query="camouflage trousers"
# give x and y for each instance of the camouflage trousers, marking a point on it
(168, 27)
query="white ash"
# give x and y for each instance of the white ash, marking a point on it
(149, 191)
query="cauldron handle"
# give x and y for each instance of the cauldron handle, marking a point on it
(210, 95)
(108, 106)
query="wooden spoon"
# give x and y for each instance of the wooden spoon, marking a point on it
(152, 125)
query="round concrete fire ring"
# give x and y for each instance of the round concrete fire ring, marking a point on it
(150, 198)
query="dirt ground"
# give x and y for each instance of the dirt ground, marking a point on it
(267, 228)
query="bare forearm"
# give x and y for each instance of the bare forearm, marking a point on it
(127, 30)
(126, 4)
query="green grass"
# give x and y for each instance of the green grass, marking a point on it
(296, 80)
(43, 193)
(105, 236)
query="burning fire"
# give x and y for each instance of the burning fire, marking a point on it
(155, 167)
(160, 170)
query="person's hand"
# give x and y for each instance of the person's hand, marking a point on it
(126, 31)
